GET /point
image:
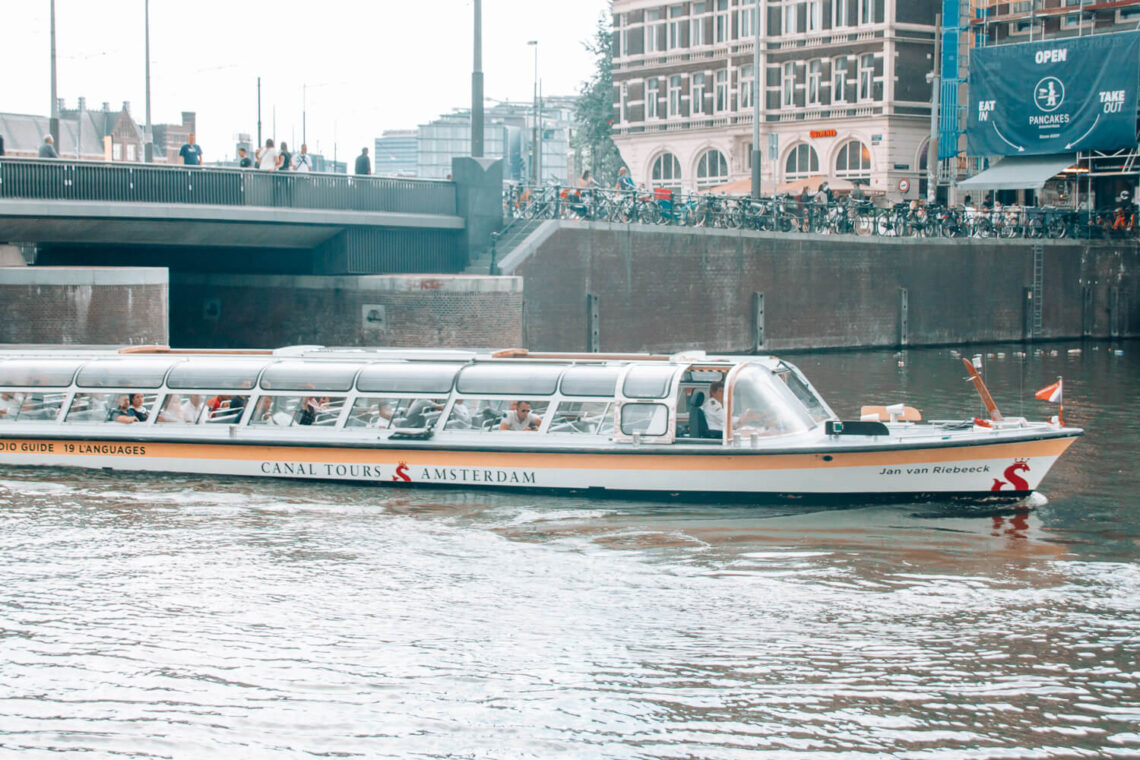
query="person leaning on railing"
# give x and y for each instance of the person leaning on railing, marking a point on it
(624, 181)
(47, 149)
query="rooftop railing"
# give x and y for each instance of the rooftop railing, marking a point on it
(61, 179)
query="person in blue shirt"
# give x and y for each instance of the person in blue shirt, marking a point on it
(191, 152)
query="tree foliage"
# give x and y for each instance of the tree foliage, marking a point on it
(594, 115)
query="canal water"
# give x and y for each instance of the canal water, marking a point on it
(159, 616)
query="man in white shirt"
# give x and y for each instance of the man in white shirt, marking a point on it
(714, 408)
(521, 418)
(303, 162)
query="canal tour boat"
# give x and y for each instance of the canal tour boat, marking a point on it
(594, 424)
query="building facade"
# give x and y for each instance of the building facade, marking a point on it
(510, 133)
(843, 91)
(395, 153)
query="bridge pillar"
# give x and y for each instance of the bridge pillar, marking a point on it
(479, 200)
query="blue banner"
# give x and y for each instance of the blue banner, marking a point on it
(1054, 96)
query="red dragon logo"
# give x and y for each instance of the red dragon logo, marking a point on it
(402, 473)
(1011, 476)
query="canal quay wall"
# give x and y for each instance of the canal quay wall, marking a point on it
(424, 311)
(83, 306)
(618, 287)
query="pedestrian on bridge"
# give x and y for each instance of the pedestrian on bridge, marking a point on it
(302, 161)
(284, 158)
(267, 156)
(363, 165)
(47, 149)
(191, 152)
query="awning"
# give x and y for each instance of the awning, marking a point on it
(1020, 173)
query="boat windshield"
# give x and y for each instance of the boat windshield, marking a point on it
(815, 406)
(763, 405)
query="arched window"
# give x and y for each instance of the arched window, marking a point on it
(802, 162)
(853, 161)
(712, 169)
(667, 172)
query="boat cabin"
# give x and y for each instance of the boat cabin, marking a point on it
(466, 397)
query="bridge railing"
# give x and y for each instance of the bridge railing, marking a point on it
(57, 179)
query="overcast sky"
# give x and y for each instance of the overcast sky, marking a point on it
(370, 65)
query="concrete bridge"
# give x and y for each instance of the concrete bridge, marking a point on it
(230, 220)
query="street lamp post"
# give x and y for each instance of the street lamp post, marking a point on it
(477, 86)
(756, 102)
(534, 145)
(148, 149)
(53, 123)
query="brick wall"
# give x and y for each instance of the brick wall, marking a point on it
(256, 311)
(83, 306)
(665, 289)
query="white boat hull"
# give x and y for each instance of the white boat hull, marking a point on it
(1000, 468)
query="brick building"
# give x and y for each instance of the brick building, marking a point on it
(84, 133)
(843, 91)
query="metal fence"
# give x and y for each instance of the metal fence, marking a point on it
(57, 179)
(845, 216)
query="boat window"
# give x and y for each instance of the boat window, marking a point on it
(220, 374)
(582, 417)
(802, 391)
(590, 381)
(309, 376)
(49, 373)
(383, 413)
(123, 373)
(648, 382)
(373, 412)
(645, 419)
(410, 377)
(762, 405)
(224, 410)
(417, 413)
(289, 411)
(30, 407)
(496, 414)
(178, 408)
(508, 379)
(124, 408)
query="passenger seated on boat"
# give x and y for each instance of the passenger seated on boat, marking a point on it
(129, 409)
(384, 415)
(713, 410)
(420, 413)
(171, 410)
(310, 408)
(460, 418)
(191, 407)
(10, 404)
(521, 418)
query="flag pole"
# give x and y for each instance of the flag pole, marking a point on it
(1061, 402)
